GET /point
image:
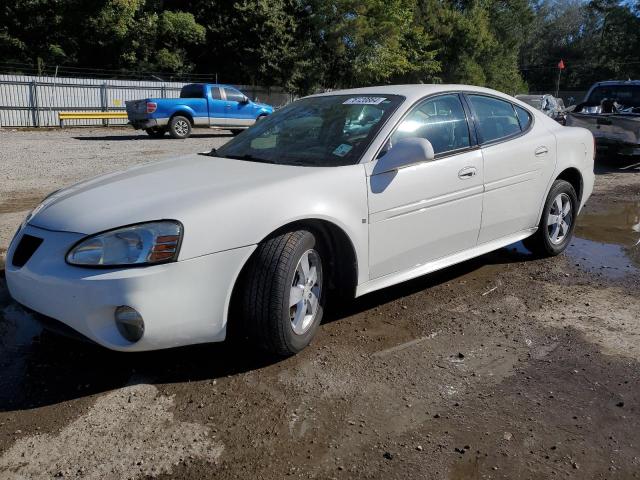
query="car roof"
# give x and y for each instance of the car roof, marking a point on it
(414, 91)
(617, 82)
(533, 97)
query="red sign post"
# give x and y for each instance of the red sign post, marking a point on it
(560, 68)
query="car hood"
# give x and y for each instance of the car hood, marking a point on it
(180, 189)
(263, 105)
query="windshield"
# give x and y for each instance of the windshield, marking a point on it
(627, 95)
(321, 131)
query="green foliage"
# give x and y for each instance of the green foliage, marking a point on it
(305, 45)
(598, 40)
(363, 43)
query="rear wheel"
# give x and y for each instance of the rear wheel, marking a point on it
(179, 127)
(155, 132)
(236, 131)
(283, 296)
(557, 223)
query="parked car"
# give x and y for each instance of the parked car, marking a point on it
(548, 104)
(611, 111)
(256, 234)
(200, 105)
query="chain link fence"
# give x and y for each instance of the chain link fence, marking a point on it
(30, 101)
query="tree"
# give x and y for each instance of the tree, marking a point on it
(249, 41)
(360, 43)
(478, 41)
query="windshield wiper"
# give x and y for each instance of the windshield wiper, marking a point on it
(250, 158)
(212, 153)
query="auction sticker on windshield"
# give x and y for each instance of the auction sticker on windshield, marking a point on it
(364, 101)
(342, 150)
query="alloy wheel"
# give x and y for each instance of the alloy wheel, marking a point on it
(559, 219)
(306, 289)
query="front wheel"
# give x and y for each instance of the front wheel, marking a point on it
(283, 292)
(179, 127)
(557, 223)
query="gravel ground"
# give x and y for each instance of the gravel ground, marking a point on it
(505, 366)
(34, 163)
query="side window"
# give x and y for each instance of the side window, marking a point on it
(233, 95)
(441, 120)
(496, 118)
(192, 91)
(524, 117)
(215, 93)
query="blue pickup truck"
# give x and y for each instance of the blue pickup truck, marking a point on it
(200, 105)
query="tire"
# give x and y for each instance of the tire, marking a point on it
(275, 278)
(555, 231)
(179, 127)
(236, 131)
(156, 132)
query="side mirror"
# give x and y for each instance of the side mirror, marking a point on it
(245, 99)
(407, 152)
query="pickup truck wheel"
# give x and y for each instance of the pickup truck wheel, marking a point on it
(179, 127)
(557, 223)
(156, 132)
(283, 294)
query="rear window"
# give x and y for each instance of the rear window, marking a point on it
(524, 117)
(627, 95)
(192, 91)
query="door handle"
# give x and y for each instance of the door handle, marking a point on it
(467, 173)
(541, 151)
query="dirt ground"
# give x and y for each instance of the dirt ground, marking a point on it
(503, 367)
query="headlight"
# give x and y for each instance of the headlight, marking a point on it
(140, 244)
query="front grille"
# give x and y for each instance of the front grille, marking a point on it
(26, 248)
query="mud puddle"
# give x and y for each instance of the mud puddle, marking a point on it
(607, 239)
(19, 202)
(17, 331)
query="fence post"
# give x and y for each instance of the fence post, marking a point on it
(104, 103)
(33, 97)
(163, 91)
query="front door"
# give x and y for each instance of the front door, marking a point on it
(425, 212)
(239, 113)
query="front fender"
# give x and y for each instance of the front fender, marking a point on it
(337, 195)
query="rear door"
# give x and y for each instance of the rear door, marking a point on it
(238, 113)
(519, 158)
(217, 110)
(428, 211)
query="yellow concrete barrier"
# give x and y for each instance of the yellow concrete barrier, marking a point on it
(62, 116)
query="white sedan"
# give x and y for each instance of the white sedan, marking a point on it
(349, 191)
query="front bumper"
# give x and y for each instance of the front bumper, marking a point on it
(182, 303)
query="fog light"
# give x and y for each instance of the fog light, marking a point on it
(129, 323)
